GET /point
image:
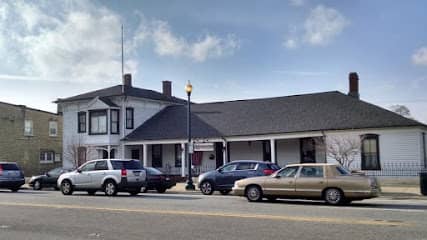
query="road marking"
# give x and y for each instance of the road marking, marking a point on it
(216, 214)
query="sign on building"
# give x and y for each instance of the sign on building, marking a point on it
(203, 147)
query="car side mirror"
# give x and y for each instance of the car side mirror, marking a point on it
(277, 176)
(79, 170)
(220, 170)
(47, 174)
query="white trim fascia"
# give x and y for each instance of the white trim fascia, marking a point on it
(172, 141)
(176, 141)
(414, 128)
(274, 136)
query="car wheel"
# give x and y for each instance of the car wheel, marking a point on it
(91, 192)
(14, 189)
(161, 190)
(206, 188)
(66, 187)
(110, 188)
(334, 196)
(225, 192)
(37, 185)
(254, 193)
(134, 192)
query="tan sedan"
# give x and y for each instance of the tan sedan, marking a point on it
(330, 182)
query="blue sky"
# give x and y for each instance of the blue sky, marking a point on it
(227, 49)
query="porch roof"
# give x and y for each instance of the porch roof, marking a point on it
(298, 113)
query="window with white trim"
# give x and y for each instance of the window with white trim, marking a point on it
(370, 152)
(53, 128)
(47, 156)
(28, 128)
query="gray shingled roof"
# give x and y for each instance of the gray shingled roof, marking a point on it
(299, 113)
(117, 91)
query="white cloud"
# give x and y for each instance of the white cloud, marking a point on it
(420, 56)
(80, 41)
(291, 43)
(166, 43)
(64, 42)
(210, 46)
(323, 24)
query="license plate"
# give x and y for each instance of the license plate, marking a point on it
(136, 173)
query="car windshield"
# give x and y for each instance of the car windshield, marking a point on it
(132, 164)
(153, 171)
(55, 171)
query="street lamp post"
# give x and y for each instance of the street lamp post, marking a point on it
(190, 185)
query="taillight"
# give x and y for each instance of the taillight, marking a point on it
(268, 171)
(124, 173)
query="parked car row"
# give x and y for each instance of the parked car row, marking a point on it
(255, 180)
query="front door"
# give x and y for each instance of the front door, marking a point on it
(283, 183)
(308, 150)
(81, 155)
(219, 155)
(135, 154)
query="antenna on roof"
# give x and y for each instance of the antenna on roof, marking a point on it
(123, 86)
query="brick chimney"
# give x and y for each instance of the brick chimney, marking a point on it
(167, 88)
(353, 79)
(127, 80)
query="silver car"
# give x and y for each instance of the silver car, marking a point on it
(108, 175)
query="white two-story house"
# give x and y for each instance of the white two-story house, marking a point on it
(95, 122)
(130, 122)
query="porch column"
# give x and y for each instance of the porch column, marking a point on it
(224, 152)
(108, 151)
(182, 159)
(273, 150)
(144, 155)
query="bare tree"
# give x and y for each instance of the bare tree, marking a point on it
(343, 149)
(76, 151)
(401, 110)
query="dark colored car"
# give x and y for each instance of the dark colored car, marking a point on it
(156, 180)
(223, 178)
(48, 179)
(11, 176)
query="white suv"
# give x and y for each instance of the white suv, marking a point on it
(108, 175)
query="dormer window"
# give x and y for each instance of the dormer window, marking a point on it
(98, 122)
(129, 118)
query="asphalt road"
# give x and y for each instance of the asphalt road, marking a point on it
(50, 215)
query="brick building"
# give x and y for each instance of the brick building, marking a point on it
(30, 137)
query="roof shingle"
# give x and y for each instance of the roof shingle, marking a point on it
(299, 113)
(128, 91)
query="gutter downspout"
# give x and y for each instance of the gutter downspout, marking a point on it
(424, 149)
